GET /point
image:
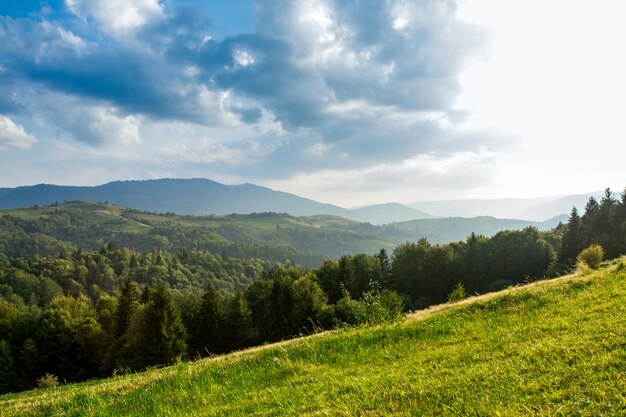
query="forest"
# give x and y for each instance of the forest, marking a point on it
(76, 314)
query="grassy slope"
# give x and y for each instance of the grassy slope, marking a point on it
(548, 349)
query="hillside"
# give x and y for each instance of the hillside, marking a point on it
(199, 196)
(549, 348)
(274, 236)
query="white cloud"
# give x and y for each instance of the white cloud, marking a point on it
(13, 135)
(406, 181)
(99, 126)
(210, 151)
(117, 16)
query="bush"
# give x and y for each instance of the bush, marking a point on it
(582, 269)
(48, 381)
(592, 256)
(458, 293)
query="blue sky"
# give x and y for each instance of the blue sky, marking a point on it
(345, 101)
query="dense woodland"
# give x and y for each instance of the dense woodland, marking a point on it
(79, 314)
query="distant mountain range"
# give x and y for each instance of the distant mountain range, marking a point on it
(533, 209)
(202, 196)
(199, 197)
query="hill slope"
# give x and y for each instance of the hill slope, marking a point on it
(550, 348)
(270, 236)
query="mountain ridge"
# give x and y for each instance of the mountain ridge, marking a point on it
(198, 196)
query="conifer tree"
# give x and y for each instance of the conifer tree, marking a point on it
(126, 306)
(238, 323)
(385, 268)
(572, 242)
(163, 333)
(208, 328)
(8, 376)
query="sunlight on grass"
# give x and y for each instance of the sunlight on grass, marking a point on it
(550, 348)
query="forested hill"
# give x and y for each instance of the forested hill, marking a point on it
(45, 230)
(199, 197)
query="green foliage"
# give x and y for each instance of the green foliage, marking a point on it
(458, 293)
(126, 307)
(209, 331)
(162, 334)
(591, 256)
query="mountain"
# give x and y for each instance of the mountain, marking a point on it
(199, 197)
(453, 229)
(560, 205)
(534, 209)
(182, 196)
(382, 213)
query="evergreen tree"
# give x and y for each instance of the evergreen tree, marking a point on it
(207, 334)
(590, 221)
(239, 324)
(607, 224)
(385, 268)
(572, 242)
(126, 306)
(163, 334)
(620, 220)
(8, 375)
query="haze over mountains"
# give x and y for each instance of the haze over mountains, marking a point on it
(202, 196)
(535, 209)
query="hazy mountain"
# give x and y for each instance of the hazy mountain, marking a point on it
(183, 196)
(534, 209)
(453, 229)
(560, 205)
(382, 213)
(199, 197)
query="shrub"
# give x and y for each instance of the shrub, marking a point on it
(48, 381)
(592, 256)
(458, 293)
(582, 269)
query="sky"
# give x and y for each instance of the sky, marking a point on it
(351, 102)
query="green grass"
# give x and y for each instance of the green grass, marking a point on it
(553, 348)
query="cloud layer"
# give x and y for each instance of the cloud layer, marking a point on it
(317, 86)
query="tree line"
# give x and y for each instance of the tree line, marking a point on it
(84, 314)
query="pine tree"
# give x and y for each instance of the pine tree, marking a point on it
(572, 242)
(163, 332)
(239, 323)
(126, 306)
(208, 328)
(385, 268)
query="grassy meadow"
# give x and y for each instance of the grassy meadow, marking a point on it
(550, 348)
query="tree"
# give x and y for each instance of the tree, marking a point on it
(163, 334)
(385, 268)
(126, 306)
(8, 374)
(239, 324)
(308, 301)
(572, 241)
(207, 333)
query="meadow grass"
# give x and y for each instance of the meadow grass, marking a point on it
(552, 348)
